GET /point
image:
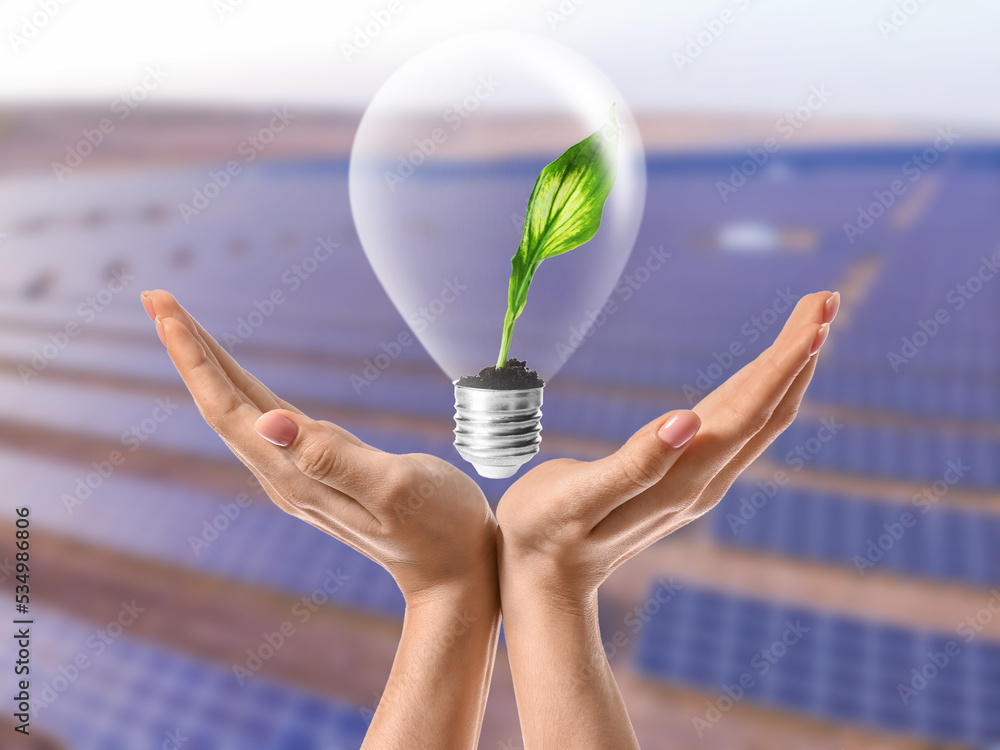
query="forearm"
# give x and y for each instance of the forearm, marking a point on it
(566, 693)
(437, 689)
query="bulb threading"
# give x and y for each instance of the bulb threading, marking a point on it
(497, 431)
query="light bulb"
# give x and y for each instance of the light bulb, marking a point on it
(442, 165)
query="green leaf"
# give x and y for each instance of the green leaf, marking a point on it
(564, 212)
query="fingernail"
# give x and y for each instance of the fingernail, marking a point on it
(831, 307)
(147, 302)
(821, 335)
(159, 330)
(679, 429)
(276, 428)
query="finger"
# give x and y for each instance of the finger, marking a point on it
(222, 405)
(732, 416)
(327, 457)
(163, 303)
(637, 465)
(255, 391)
(783, 416)
(812, 308)
(725, 430)
(228, 412)
(719, 486)
(732, 419)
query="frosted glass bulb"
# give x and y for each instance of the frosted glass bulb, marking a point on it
(442, 165)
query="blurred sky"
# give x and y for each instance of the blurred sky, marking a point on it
(942, 59)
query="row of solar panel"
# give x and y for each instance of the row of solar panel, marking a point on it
(920, 538)
(133, 694)
(213, 533)
(944, 686)
(892, 452)
(960, 395)
(797, 190)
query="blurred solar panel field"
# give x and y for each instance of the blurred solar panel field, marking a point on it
(179, 527)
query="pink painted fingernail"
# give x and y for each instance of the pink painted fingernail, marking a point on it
(159, 330)
(147, 302)
(276, 428)
(821, 334)
(831, 307)
(679, 429)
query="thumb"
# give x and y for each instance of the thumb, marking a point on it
(321, 453)
(645, 458)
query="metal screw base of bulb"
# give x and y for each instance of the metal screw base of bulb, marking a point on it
(497, 431)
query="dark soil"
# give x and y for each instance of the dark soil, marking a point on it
(514, 377)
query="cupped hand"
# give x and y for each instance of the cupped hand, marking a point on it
(420, 518)
(566, 525)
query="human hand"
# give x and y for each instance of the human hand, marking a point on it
(571, 523)
(420, 518)
(566, 525)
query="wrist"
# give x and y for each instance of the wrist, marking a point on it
(550, 615)
(476, 591)
(542, 587)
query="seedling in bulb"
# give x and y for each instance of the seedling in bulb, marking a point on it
(498, 412)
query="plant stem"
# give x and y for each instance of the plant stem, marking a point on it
(508, 332)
